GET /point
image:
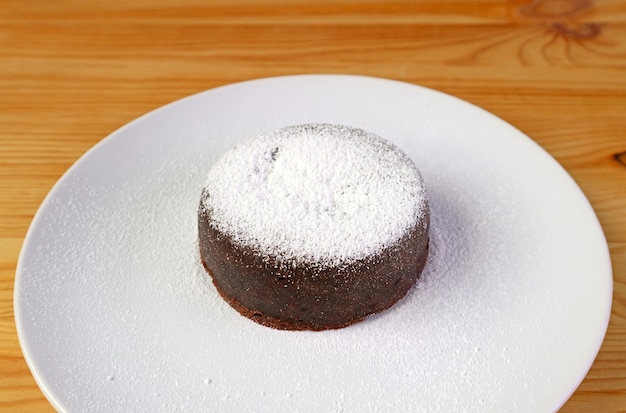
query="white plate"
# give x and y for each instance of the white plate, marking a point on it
(114, 313)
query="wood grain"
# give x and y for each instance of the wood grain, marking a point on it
(71, 72)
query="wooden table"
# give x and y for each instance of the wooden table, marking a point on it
(73, 71)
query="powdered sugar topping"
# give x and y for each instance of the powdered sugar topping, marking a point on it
(319, 193)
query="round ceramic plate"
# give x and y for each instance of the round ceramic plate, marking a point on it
(115, 313)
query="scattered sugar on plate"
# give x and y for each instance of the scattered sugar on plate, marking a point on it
(115, 289)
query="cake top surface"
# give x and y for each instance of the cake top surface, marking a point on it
(315, 193)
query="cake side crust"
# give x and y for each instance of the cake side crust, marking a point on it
(299, 296)
(295, 325)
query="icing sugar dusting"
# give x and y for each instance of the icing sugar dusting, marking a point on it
(117, 299)
(315, 193)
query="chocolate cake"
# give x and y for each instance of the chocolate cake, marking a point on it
(313, 227)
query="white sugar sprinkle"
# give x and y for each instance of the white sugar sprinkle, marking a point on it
(114, 287)
(315, 193)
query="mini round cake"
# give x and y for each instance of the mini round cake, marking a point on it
(313, 227)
